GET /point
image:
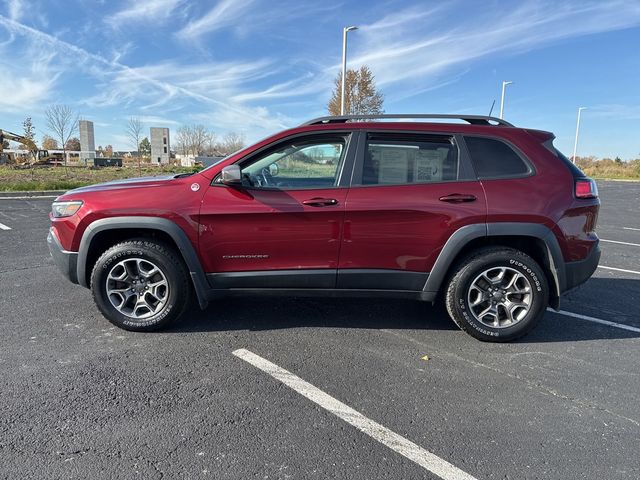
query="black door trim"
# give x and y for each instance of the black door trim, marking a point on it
(342, 279)
(380, 279)
(320, 278)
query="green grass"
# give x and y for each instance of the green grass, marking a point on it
(300, 169)
(59, 178)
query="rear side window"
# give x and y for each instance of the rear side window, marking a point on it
(495, 159)
(398, 159)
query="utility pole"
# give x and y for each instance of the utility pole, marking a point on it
(575, 145)
(345, 30)
(504, 87)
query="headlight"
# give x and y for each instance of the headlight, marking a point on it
(65, 209)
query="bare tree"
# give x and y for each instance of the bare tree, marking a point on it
(194, 139)
(183, 140)
(211, 148)
(231, 142)
(200, 139)
(361, 95)
(134, 132)
(62, 122)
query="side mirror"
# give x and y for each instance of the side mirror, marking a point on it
(231, 175)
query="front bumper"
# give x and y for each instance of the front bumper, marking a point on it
(576, 273)
(66, 261)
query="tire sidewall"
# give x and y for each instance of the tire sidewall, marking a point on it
(517, 261)
(124, 252)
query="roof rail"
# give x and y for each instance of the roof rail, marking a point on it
(472, 119)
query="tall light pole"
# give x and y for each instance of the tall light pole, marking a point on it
(504, 87)
(344, 65)
(575, 145)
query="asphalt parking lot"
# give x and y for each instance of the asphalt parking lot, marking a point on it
(82, 399)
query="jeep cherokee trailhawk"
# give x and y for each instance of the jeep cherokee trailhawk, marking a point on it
(490, 218)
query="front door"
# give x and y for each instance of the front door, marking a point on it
(282, 227)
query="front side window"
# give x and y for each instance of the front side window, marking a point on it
(301, 163)
(396, 159)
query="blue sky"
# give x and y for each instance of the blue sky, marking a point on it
(257, 66)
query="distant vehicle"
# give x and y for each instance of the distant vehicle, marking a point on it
(37, 155)
(489, 218)
(107, 162)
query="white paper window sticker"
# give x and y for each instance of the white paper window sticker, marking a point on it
(429, 165)
(393, 165)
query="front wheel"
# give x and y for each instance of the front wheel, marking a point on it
(140, 285)
(497, 294)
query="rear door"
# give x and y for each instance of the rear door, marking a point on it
(282, 227)
(409, 193)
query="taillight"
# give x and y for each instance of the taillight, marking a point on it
(586, 188)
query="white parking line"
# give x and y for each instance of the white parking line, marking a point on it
(410, 450)
(4, 227)
(618, 269)
(621, 326)
(621, 243)
(631, 228)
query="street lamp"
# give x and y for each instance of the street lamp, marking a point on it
(504, 86)
(575, 145)
(344, 64)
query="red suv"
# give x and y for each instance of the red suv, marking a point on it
(490, 218)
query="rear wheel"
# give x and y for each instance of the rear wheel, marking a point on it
(140, 285)
(497, 294)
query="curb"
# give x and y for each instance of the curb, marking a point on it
(29, 194)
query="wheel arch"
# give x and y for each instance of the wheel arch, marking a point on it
(105, 232)
(536, 240)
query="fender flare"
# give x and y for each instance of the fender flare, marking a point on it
(462, 236)
(185, 248)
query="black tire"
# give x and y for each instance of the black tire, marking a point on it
(459, 291)
(176, 296)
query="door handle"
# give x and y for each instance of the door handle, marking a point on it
(458, 198)
(320, 202)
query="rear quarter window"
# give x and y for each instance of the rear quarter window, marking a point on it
(494, 158)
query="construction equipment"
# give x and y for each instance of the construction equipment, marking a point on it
(37, 155)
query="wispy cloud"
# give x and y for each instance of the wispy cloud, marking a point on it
(209, 85)
(306, 85)
(248, 17)
(37, 76)
(399, 52)
(223, 15)
(27, 91)
(143, 11)
(615, 111)
(155, 120)
(156, 85)
(15, 8)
